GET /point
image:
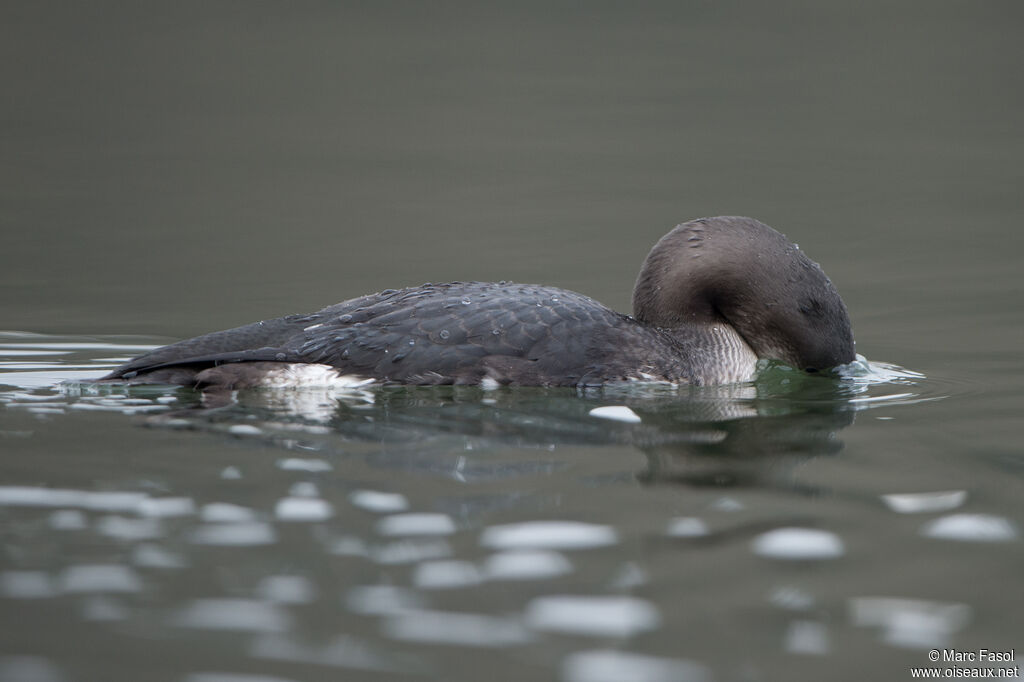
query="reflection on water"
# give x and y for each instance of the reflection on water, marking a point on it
(911, 623)
(381, 529)
(726, 436)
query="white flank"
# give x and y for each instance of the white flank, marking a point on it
(300, 375)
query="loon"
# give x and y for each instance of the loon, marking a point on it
(713, 297)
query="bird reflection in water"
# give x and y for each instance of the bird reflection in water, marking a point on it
(744, 435)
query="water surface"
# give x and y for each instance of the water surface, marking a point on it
(170, 172)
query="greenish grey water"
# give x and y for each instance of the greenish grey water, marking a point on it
(170, 170)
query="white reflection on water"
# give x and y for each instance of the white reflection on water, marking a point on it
(286, 589)
(39, 365)
(46, 379)
(26, 585)
(451, 574)
(300, 464)
(100, 578)
(376, 501)
(422, 523)
(619, 413)
(798, 543)
(128, 529)
(971, 528)
(244, 430)
(226, 512)
(313, 403)
(29, 496)
(150, 555)
(807, 637)
(68, 519)
(549, 535)
(609, 665)
(916, 503)
(167, 506)
(791, 598)
(409, 551)
(348, 545)
(116, 406)
(78, 345)
(465, 629)
(687, 527)
(526, 565)
(304, 489)
(241, 534)
(303, 509)
(910, 623)
(600, 616)
(249, 615)
(8, 352)
(45, 410)
(728, 504)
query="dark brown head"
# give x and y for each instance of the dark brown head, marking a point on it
(741, 272)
